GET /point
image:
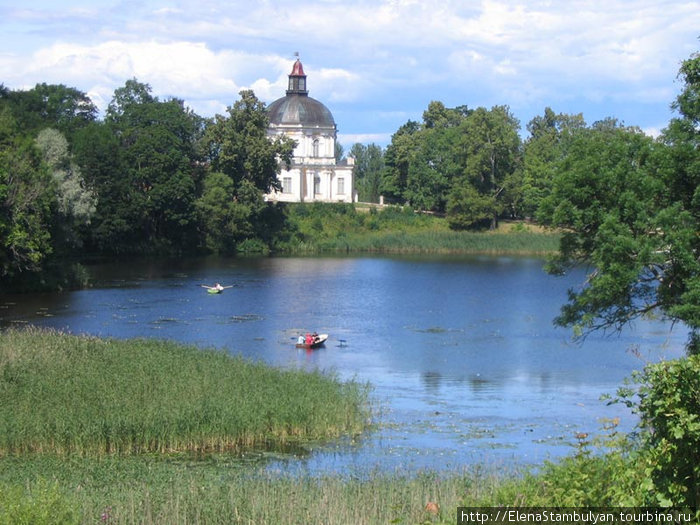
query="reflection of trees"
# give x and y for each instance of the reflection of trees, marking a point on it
(479, 384)
(432, 380)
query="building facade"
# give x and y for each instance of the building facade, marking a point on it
(314, 174)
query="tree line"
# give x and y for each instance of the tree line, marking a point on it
(150, 177)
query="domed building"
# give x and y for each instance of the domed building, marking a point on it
(314, 174)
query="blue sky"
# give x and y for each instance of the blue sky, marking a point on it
(375, 64)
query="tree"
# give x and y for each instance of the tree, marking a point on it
(368, 168)
(547, 144)
(27, 200)
(604, 200)
(97, 150)
(397, 160)
(50, 106)
(491, 147)
(76, 202)
(240, 148)
(157, 142)
(629, 208)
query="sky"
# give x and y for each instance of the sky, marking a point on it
(374, 64)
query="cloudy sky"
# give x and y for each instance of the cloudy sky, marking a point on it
(374, 63)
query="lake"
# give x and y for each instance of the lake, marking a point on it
(465, 363)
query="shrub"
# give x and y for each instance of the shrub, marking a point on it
(669, 406)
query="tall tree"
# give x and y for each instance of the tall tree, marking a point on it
(245, 164)
(367, 171)
(27, 201)
(397, 158)
(50, 106)
(240, 148)
(492, 148)
(612, 201)
(157, 144)
(76, 202)
(547, 144)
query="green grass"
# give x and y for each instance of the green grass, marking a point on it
(64, 394)
(142, 432)
(392, 230)
(219, 490)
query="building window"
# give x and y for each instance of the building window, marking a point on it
(287, 185)
(315, 151)
(341, 186)
(317, 184)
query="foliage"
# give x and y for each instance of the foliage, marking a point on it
(42, 503)
(49, 106)
(239, 147)
(27, 199)
(70, 395)
(467, 207)
(668, 400)
(76, 202)
(157, 149)
(492, 147)
(629, 207)
(344, 228)
(367, 171)
(547, 144)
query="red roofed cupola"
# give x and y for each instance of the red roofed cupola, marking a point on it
(297, 80)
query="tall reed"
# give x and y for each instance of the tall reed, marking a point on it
(66, 394)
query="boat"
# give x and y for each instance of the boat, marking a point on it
(217, 288)
(319, 340)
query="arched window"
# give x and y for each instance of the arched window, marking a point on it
(315, 151)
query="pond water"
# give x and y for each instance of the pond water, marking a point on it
(465, 363)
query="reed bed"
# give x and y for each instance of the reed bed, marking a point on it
(393, 230)
(437, 242)
(64, 394)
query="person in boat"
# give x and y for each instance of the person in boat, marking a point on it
(309, 339)
(216, 287)
(314, 337)
(301, 340)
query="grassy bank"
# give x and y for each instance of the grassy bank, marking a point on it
(343, 228)
(142, 432)
(65, 394)
(220, 490)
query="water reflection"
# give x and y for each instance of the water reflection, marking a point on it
(464, 360)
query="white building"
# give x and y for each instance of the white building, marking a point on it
(314, 174)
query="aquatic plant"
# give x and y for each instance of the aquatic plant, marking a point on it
(65, 394)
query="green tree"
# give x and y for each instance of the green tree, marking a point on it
(368, 168)
(629, 207)
(76, 202)
(547, 144)
(239, 146)
(50, 106)
(604, 199)
(97, 150)
(157, 141)
(27, 201)
(492, 157)
(397, 160)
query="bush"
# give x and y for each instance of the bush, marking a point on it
(669, 406)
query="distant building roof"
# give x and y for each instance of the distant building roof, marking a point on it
(297, 107)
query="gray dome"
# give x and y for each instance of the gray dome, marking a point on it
(299, 109)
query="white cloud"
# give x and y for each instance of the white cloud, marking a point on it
(390, 55)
